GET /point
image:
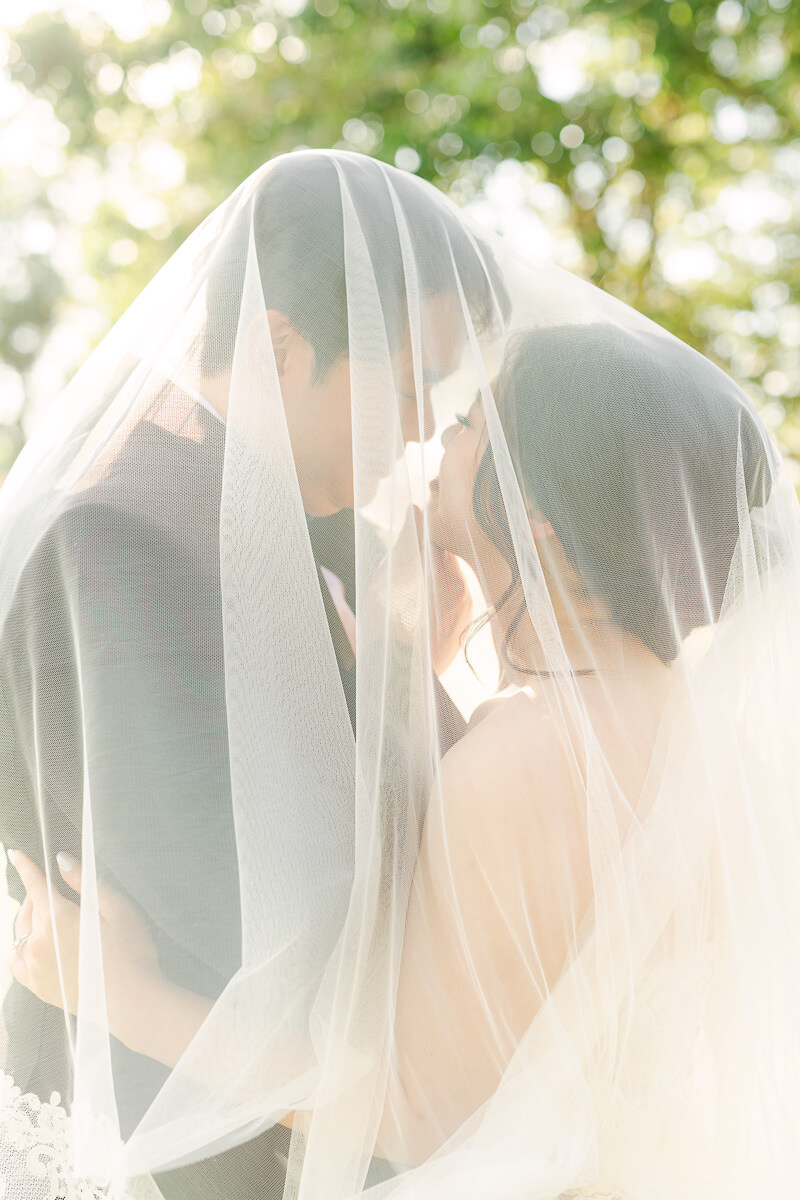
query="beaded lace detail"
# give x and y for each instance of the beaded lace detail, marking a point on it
(35, 1149)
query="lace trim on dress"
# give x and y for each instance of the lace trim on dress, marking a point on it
(35, 1149)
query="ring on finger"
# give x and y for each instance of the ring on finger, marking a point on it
(19, 942)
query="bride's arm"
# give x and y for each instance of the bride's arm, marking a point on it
(502, 877)
(146, 1011)
(149, 1013)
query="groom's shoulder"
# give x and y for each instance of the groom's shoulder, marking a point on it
(159, 474)
(151, 492)
(164, 461)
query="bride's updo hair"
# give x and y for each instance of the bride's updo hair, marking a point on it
(643, 456)
(298, 224)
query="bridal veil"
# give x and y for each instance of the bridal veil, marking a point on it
(550, 952)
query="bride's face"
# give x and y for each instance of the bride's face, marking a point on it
(450, 510)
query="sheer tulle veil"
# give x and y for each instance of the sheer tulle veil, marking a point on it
(517, 922)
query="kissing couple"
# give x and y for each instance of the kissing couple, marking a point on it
(297, 913)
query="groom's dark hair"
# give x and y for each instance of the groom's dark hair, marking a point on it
(298, 225)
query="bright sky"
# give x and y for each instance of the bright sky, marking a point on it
(14, 13)
(130, 19)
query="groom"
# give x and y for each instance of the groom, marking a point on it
(152, 497)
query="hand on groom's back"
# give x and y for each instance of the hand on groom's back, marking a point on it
(47, 937)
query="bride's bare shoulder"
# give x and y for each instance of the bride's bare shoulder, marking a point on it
(511, 752)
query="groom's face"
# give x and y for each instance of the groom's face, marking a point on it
(319, 415)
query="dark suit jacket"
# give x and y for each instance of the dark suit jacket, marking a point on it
(152, 677)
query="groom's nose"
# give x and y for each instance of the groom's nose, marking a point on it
(410, 423)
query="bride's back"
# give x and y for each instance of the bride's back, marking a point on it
(506, 877)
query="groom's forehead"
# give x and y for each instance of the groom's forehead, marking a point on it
(439, 338)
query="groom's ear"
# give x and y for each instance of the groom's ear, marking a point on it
(281, 334)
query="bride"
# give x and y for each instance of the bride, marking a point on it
(567, 961)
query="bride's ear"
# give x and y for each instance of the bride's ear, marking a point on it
(540, 526)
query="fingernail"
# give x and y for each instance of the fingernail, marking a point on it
(65, 861)
(11, 856)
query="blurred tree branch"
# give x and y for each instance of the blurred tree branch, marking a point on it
(667, 128)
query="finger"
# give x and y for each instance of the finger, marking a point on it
(70, 870)
(24, 921)
(33, 878)
(111, 904)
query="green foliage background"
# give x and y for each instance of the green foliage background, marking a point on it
(669, 130)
